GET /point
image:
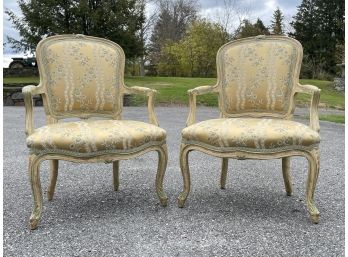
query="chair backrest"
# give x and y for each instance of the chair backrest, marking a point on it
(82, 76)
(257, 76)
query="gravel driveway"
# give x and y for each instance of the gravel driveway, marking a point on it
(252, 217)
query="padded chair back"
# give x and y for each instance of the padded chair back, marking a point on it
(82, 76)
(257, 76)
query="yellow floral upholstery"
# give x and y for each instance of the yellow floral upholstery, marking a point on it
(250, 133)
(81, 75)
(258, 78)
(95, 136)
(258, 75)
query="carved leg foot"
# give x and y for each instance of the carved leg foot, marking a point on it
(182, 199)
(34, 174)
(185, 174)
(311, 183)
(53, 179)
(287, 175)
(224, 168)
(315, 217)
(162, 165)
(115, 170)
(33, 222)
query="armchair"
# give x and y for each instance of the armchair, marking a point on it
(82, 77)
(258, 78)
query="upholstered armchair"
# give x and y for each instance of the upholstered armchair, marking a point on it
(258, 78)
(83, 77)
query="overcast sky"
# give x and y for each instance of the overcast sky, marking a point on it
(210, 9)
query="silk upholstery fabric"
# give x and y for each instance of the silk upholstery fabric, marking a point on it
(258, 75)
(82, 76)
(93, 136)
(250, 133)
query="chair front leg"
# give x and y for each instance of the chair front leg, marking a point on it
(224, 168)
(53, 179)
(313, 173)
(185, 174)
(34, 175)
(287, 175)
(162, 165)
(115, 175)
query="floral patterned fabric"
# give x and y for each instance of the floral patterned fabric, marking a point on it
(258, 75)
(250, 133)
(81, 75)
(92, 136)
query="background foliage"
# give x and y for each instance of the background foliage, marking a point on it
(173, 40)
(117, 20)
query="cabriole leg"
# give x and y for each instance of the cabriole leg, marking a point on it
(162, 165)
(34, 174)
(53, 179)
(115, 175)
(185, 174)
(313, 173)
(224, 168)
(287, 175)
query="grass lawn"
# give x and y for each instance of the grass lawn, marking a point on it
(333, 118)
(328, 96)
(173, 90)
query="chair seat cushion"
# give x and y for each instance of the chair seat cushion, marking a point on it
(258, 134)
(92, 136)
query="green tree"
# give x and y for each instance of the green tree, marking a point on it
(249, 30)
(117, 20)
(319, 26)
(170, 26)
(277, 22)
(195, 54)
(260, 28)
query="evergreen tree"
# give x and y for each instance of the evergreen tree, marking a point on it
(117, 20)
(250, 30)
(277, 22)
(319, 26)
(260, 28)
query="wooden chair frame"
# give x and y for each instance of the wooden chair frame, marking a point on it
(35, 159)
(311, 154)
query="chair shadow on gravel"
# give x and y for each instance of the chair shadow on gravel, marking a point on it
(105, 205)
(269, 204)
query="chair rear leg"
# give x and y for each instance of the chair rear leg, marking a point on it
(53, 179)
(34, 175)
(161, 169)
(115, 175)
(313, 173)
(224, 168)
(185, 174)
(287, 175)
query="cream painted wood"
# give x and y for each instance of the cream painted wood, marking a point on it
(224, 169)
(311, 154)
(287, 175)
(35, 160)
(53, 179)
(115, 171)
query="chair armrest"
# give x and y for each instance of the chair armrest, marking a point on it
(150, 102)
(313, 111)
(28, 93)
(192, 100)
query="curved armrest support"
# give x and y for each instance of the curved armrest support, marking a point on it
(150, 102)
(28, 93)
(315, 92)
(192, 100)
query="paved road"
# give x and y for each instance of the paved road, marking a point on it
(252, 217)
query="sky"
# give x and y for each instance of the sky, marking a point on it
(210, 9)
